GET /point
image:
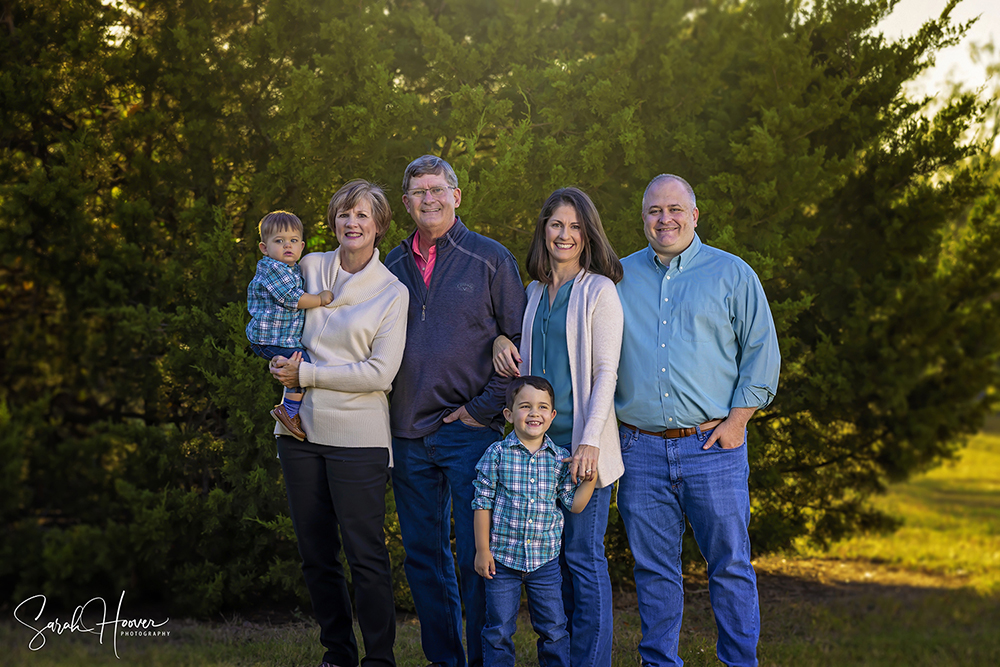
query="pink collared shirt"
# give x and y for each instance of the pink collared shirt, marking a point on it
(424, 264)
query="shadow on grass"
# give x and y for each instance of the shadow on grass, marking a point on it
(852, 621)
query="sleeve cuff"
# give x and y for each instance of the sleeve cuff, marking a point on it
(752, 397)
(307, 374)
(482, 503)
(291, 300)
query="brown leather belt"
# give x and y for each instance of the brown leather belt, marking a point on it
(674, 433)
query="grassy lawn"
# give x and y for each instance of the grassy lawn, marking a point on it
(928, 594)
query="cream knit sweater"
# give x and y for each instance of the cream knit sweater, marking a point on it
(594, 324)
(356, 345)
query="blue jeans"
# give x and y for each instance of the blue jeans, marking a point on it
(271, 351)
(433, 478)
(503, 601)
(664, 481)
(586, 583)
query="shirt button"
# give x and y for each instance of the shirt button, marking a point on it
(664, 321)
(666, 299)
(663, 370)
(668, 277)
(529, 520)
(663, 344)
(666, 394)
(670, 419)
(532, 480)
(531, 500)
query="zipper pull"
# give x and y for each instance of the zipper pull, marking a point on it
(423, 312)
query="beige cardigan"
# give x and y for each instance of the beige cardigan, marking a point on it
(356, 345)
(594, 324)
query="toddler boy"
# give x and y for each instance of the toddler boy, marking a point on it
(519, 528)
(276, 300)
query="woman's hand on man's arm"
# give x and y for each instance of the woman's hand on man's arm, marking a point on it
(505, 357)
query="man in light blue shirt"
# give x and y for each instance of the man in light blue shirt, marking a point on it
(699, 356)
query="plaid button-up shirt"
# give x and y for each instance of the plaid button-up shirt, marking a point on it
(272, 296)
(521, 488)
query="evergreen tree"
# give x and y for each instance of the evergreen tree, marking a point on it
(140, 143)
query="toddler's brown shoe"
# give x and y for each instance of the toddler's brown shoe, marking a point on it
(292, 424)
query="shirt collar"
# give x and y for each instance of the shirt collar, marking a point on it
(431, 252)
(681, 260)
(278, 262)
(454, 233)
(512, 441)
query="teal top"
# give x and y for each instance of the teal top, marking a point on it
(699, 339)
(550, 360)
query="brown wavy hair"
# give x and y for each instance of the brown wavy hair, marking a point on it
(348, 197)
(598, 255)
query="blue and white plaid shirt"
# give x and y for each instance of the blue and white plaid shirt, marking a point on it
(272, 296)
(521, 488)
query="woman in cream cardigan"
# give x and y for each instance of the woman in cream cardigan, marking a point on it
(571, 335)
(337, 477)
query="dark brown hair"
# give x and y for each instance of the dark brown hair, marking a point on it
(518, 383)
(348, 197)
(598, 256)
(278, 221)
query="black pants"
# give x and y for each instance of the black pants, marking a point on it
(331, 487)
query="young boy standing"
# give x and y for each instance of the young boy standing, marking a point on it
(519, 528)
(276, 299)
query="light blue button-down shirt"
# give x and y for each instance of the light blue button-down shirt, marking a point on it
(699, 339)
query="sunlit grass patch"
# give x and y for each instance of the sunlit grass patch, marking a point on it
(951, 521)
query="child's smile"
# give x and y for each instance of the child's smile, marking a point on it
(531, 415)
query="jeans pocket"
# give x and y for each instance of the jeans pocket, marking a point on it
(716, 447)
(628, 438)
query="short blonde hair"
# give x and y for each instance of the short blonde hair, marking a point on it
(348, 197)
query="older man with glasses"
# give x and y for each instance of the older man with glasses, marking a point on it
(445, 410)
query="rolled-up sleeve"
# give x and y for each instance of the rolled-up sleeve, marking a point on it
(487, 471)
(759, 358)
(283, 286)
(566, 490)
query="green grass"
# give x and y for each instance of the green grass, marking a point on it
(928, 594)
(951, 522)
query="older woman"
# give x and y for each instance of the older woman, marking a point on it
(336, 478)
(571, 335)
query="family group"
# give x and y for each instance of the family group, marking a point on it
(642, 372)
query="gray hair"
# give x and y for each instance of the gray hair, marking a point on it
(677, 179)
(429, 164)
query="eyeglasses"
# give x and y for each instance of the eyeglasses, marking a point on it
(434, 192)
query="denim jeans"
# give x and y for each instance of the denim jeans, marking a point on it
(432, 479)
(271, 351)
(503, 601)
(586, 583)
(664, 481)
(331, 488)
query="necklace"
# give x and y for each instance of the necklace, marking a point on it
(546, 314)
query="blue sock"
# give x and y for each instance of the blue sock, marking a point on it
(292, 407)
